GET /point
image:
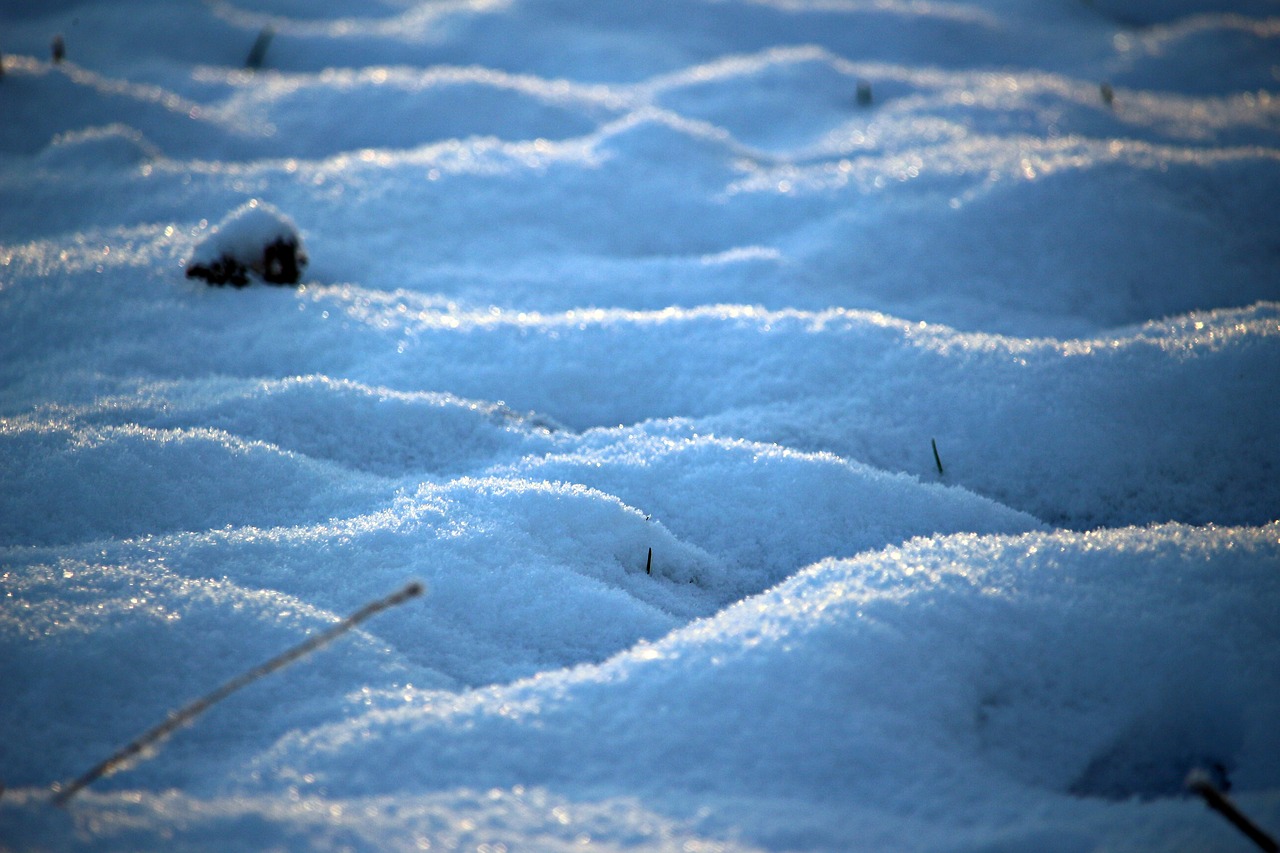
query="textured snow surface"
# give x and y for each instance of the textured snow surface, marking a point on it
(631, 333)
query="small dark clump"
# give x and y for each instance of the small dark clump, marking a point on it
(281, 262)
(225, 270)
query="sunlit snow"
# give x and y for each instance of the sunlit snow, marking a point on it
(632, 331)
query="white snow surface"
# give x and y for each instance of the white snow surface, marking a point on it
(245, 232)
(595, 281)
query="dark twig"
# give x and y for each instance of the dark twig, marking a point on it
(185, 715)
(1199, 782)
(258, 52)
(937, 460)
(648, 563)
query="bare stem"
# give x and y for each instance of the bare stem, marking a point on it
(185, 715)
(1199, 782)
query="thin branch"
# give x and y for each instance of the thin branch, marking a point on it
(185, 715)
(1199, 782)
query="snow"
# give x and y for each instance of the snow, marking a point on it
(588, 283)
(249, 239)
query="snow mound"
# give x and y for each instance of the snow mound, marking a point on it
(155, 481)
(403, 432)
(255, 237)
(1051, 666)
(119, 646)
(115, 144)
(764, 510)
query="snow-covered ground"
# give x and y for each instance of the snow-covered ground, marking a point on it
(593, 280)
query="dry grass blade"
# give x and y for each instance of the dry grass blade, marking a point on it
(185, 715)
(1200, 782)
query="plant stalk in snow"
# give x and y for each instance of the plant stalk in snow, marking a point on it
(1199, 782)
(185, 715)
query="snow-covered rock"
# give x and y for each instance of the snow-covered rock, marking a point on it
(254, 238)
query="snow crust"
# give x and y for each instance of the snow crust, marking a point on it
(631, 334)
